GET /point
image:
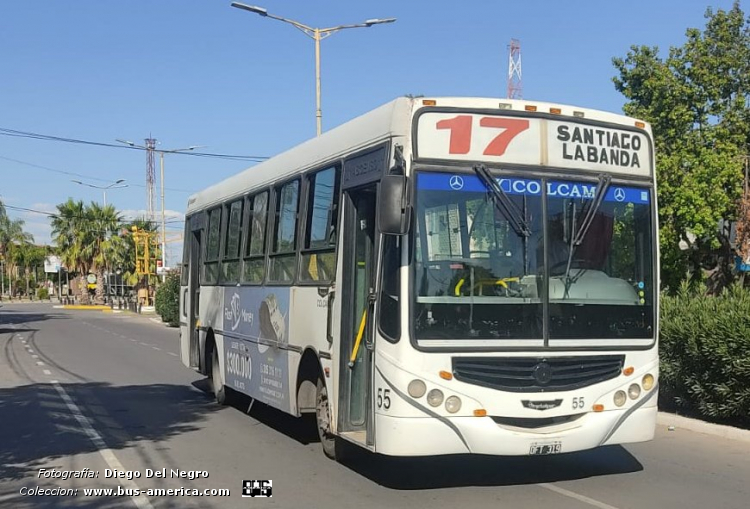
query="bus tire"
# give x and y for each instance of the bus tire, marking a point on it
(217, 381)
(332, 445)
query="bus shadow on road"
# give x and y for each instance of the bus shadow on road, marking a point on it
(477, 470)
(301, 430)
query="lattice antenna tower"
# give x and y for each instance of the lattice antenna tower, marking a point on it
(150, 176)
(515, 86)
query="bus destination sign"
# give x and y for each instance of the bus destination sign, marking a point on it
(533, 141)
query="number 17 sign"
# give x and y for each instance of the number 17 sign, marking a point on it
(478, 137)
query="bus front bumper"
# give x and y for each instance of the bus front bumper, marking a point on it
(417, 436)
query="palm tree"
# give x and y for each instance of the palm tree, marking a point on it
(11, 235)
(104, 222)
(71, 234)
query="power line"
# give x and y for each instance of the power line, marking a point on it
(56, 215)
(74, 174)
(46, 137)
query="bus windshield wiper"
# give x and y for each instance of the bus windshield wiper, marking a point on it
(579, 233)
(502, 202)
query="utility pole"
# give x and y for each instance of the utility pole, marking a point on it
(515, 87)
(150, 146)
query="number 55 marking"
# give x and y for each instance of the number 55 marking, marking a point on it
(461, 130)
(384, 398)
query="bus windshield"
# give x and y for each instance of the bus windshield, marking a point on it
(477, 276)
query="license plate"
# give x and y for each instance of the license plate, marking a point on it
(539, 449)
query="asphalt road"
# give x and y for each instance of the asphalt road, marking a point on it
(89, 390)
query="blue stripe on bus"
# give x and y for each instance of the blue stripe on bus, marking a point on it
(531, 187)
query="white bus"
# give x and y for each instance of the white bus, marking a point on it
(438, 276)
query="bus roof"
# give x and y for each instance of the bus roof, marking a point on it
(390, 120)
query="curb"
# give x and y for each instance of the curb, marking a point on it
(675, 421)
(88, 308)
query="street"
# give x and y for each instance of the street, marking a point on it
(107, 392)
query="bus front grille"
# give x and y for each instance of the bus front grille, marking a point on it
(537, 374)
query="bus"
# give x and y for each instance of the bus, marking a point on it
(438, 276)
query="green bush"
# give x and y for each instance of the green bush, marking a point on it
(167, 300)
(705, 353)
(42, 294)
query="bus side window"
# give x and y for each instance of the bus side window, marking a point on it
(211, 264)
(283, 256)
(184, 271)
(318, 249)
(230, 264)
(254, 267)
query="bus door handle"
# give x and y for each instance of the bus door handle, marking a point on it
(329, 319)
(370, 338)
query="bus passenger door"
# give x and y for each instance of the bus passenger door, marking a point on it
(194, 289)
(355, 389)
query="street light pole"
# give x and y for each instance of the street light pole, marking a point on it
(163, 221)
(115, 185)
(318, 110)
(317, 34)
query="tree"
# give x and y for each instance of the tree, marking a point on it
(71, 234)
(12, 235)
(698, 102)
(104, 222)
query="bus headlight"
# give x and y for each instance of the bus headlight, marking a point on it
(435, 397)
(453, 404)
(620, 398)
(647, 382)
(417, 388)
(634, 391)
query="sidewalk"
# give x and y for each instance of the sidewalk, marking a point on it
(676, 422)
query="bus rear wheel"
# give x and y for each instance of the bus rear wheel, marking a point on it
(217, 381)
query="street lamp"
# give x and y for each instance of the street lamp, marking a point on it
(161, 164)
(317, 34)
(115, 185)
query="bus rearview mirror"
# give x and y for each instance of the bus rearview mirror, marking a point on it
(394, 213)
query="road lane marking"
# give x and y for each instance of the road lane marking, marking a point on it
(172, 353)
(156, 348)
(576, 496)
(139, 500)
(145, 344)
(47, 372)
(34, 356)
(39, 363)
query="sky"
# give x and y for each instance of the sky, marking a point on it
(201, 73)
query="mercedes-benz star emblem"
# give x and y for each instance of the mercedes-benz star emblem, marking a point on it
(619, 194)
(542, 373)
(456, 182)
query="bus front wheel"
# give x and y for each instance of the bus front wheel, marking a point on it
(333, 447)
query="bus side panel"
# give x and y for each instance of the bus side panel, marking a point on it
(307, 329)
(211, 320)
(256, 343)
